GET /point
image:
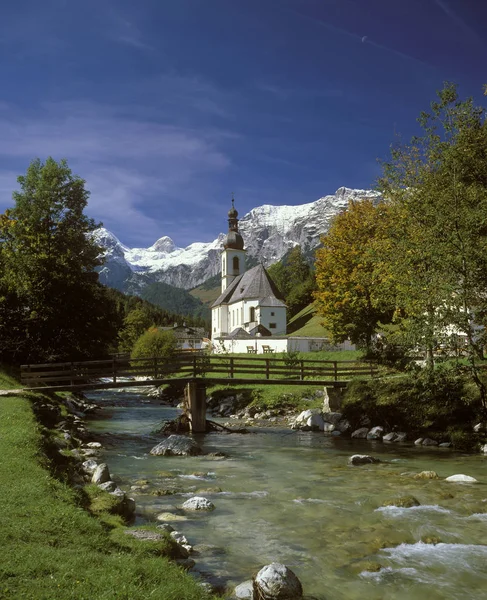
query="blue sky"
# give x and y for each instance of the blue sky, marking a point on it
(166, 107)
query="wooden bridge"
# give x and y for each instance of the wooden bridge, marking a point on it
(195, 371)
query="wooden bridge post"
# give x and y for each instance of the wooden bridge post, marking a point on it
(196, 402)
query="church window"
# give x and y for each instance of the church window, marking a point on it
(272, 326)
(252, 314)
(236, 266)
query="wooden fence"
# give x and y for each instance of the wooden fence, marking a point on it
(213, 368)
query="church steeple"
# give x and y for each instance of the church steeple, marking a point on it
(233, 255)
(233, 239)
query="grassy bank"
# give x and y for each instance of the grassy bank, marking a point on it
(52, 547)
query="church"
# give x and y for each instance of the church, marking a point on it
(250, 305)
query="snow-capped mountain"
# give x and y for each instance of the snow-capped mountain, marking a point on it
(269, 232)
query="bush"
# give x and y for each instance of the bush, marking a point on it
(155, 343)
(414, 402)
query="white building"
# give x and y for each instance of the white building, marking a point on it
(250, 304)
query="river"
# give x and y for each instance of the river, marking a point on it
(290, 497)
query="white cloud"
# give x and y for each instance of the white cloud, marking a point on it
(128, 162)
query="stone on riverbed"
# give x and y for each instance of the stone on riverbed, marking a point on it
(360, 433)
(315, 422)
(89, 466)
(108, 486)
(101, 474)
(426, 475)
(198, 503)
(362, 459)
(375, 433)
(402, 502)
(167, 516)
(277, 582)
(459, 478)
(177, 445)
(244, 591)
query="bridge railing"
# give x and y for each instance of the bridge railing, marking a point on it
(187, 366)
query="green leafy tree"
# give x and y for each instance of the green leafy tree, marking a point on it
(439, 256)
(294, 279)
(352, 295)
(48, 282)
(155, 343)
(135, 324)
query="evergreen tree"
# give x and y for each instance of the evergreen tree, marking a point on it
(49, 282)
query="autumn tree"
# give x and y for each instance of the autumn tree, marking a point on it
(353, 293)
(50, 297)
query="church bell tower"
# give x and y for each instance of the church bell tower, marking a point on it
(233, 254)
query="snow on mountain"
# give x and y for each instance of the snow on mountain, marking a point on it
(269, 233)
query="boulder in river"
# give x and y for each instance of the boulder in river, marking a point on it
(101, 474)
(244, 591)
(390, 437)
(315, 422)
(375, 433)
(426, 475)
(459, 478)
(360, 433)
(429, 442)
(177, 445)
(402, 502)
(332, 417)
(362, 459)
(198, 503)
(277, 582)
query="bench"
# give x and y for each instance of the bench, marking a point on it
(251, 350)
(267, 350)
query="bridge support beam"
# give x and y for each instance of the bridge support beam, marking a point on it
(195, 396)
(332, 400)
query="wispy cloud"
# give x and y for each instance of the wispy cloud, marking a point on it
(124, 30)
(127, 162)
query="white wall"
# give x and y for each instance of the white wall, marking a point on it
(274, 314)
(282, 344)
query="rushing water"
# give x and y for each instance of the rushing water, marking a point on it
(290, 497)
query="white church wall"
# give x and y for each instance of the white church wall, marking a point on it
(292, 344)
(274, 318)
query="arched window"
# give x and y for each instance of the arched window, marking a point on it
(252, 314)
(223, 268)
(236, 267)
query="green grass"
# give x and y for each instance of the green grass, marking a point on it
(205, 294)
(306, 323)
(291, 397)
(7, 379)
(53, 548)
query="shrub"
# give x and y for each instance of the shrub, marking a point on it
(413, 402)
(155, 343)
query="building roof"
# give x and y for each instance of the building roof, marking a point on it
(255, 284)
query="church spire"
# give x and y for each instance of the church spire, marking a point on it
(233, 239)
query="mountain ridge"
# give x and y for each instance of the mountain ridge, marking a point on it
(269, 232)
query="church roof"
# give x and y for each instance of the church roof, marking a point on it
(252, 285)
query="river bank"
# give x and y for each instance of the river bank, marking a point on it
(290, 496)
(53, 547)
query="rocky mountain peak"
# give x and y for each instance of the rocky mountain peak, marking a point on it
(269, 232)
